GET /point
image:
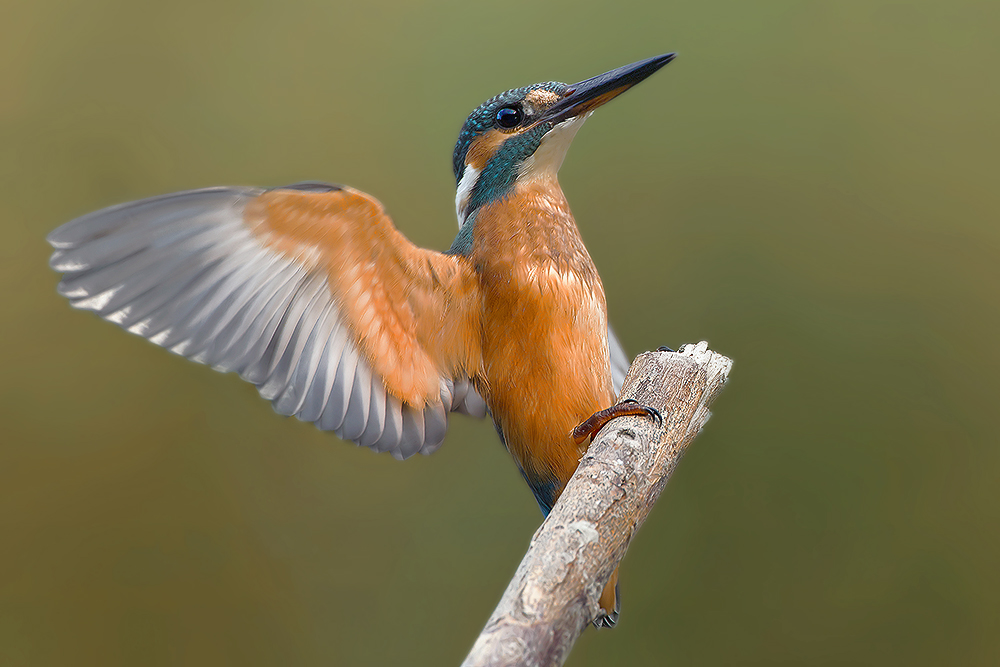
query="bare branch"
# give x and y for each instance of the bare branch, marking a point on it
(554, 593)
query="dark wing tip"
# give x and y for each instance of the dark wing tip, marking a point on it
(311, 186)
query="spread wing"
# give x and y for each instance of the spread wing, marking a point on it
(619, 361)
(309, 292)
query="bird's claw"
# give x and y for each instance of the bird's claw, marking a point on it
(651, 412)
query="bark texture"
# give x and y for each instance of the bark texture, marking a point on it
(553, 595)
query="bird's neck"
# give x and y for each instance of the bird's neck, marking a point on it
(528, 231)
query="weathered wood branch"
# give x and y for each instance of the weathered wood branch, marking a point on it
(553, 595)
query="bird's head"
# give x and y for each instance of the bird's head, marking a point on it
(524, 133)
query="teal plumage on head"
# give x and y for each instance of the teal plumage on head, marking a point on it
(484, 119)
(517, 112)
(500, 138)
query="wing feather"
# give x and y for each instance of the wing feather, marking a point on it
(340, 395)
(413, 433)
(392, 432)
(619, 361)
(290, 340)
(326, 372)
(435, 426)
(376, 416)
(356, 417)
(309, 292)
(235, 344)
(295, 389)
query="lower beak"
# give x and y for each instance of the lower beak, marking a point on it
(587, 95)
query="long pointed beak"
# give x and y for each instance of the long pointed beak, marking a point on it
(592, 93)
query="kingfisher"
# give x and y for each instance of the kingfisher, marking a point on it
(311, 293)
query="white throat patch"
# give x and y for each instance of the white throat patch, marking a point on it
(544, 163)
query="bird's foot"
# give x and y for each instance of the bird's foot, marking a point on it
(606, 620)
(599, 420)
(611, 605)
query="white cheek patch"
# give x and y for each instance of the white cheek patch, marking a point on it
(469, 178)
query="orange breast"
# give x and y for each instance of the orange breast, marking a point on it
(545, 349)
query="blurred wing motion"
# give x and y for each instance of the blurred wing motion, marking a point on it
(308, 291)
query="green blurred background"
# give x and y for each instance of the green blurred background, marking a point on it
(812, 187)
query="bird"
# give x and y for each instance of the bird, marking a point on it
(311, 293)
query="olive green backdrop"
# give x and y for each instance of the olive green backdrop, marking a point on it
(812, 187)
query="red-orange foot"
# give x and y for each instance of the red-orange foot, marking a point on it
(599, 420)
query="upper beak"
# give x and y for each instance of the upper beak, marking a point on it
(592, 93)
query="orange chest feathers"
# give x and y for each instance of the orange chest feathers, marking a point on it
(544, 320)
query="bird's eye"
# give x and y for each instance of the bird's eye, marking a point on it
(509, 117)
